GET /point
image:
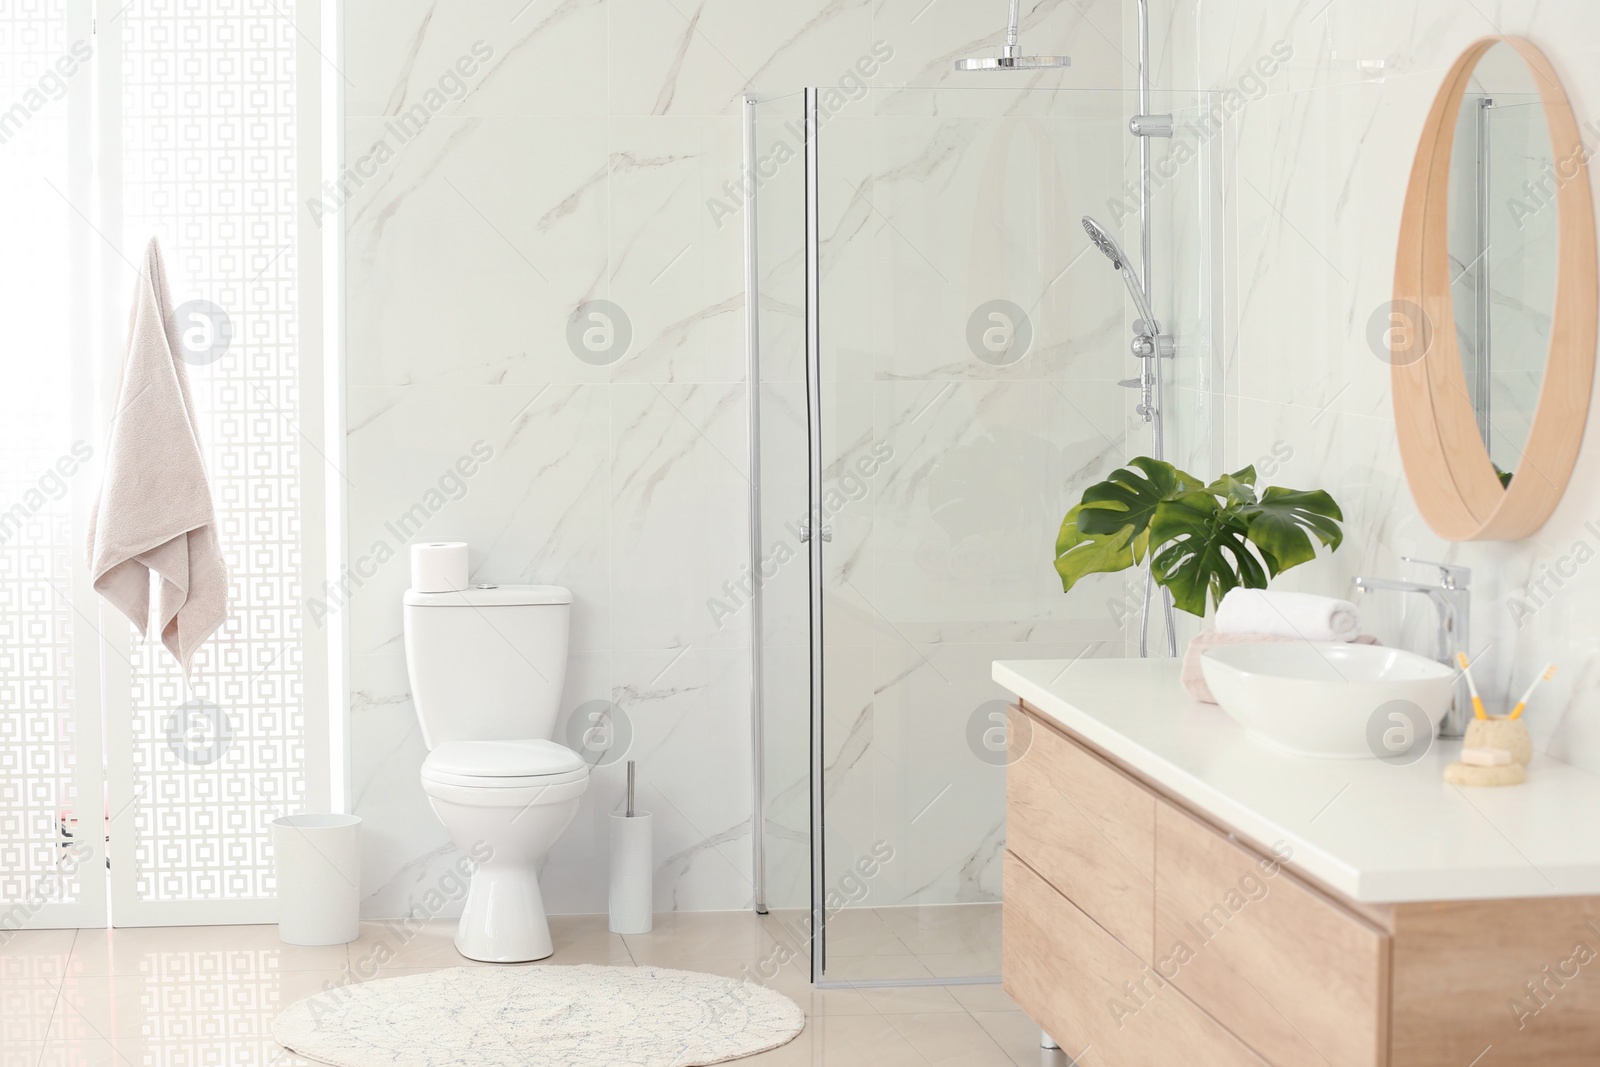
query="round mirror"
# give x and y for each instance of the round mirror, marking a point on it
(1497, 241)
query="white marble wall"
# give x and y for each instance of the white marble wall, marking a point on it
(569, 153)
(1321, 168)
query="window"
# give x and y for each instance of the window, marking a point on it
(192, 121)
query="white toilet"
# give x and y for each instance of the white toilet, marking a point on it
(486, 668)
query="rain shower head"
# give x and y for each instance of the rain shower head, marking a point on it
(1013, 62)
(1009, 59)
(1111, 250)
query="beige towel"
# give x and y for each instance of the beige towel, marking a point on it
(1303, 615)
(1193, 675)
(154, 512)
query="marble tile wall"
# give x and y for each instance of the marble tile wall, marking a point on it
(1322, 159)
(509, 161)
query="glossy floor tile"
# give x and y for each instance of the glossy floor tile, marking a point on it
(208, 995)
(910, 942)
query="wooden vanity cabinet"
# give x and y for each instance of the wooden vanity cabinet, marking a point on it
(1139, 932)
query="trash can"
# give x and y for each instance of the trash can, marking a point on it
(317, 860)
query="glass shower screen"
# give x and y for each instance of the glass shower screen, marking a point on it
(936, 352)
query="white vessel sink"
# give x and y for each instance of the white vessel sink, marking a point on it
(1319, 698)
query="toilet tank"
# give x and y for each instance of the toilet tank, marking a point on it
(487, 664)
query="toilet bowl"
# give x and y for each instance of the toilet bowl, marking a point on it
(487, 666)
(504, 803)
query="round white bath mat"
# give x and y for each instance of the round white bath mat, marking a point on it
(553, 1016)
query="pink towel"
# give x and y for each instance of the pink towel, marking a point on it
(154, 512)
(1193, 675)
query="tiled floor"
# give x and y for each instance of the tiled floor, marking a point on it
(208, 995)
(940, 941)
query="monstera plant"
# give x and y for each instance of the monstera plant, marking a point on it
(1200, 540)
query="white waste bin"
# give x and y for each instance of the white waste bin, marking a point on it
(317, 860)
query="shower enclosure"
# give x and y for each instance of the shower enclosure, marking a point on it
(939, 365)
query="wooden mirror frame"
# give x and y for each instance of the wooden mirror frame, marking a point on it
(1447, 465)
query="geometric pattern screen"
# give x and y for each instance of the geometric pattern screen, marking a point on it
(38, 708)
(209, 158)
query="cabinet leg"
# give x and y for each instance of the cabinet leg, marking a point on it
(1046, 1041)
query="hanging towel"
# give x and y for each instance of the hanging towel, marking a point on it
(1303, 615)
(154, 512)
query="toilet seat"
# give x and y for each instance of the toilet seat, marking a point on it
(530, 781)
(522, 796)
(533, 763)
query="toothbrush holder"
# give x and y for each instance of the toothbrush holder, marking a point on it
(1507, 734)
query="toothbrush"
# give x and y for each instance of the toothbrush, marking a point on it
(1477, 701)
(1549, 672)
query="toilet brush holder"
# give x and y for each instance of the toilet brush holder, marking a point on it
(632, 868)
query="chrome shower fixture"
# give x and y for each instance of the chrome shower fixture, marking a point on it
(1147, 327)
(1008, 59)
(1148, 340)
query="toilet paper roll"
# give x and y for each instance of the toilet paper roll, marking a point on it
(632, 865)
(439, 566)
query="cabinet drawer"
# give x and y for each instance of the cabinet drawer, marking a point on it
(1087, 828)
(1300, 979)
(1462, 972)
(1093, 995)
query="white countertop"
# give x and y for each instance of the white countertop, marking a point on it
(1375, 832)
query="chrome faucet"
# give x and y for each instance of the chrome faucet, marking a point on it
(1452, 600)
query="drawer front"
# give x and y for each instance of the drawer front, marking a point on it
(1462, 972)
(1096, 998)
(1294, 975)
(1087, 828)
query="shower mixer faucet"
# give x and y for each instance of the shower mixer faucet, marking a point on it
(1148, 340)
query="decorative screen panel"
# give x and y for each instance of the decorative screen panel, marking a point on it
(209, 156)
(39, 761)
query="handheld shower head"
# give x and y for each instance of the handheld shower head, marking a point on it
(1119, 259)
(1009, 59)
(1104, 242)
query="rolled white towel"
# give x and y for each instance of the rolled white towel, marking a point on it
(1303, 615)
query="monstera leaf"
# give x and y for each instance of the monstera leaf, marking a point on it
(1129, 497)
(1279, 524)
(1201, 540)
(1203, 548)
(1079, 553)
(1238, 487)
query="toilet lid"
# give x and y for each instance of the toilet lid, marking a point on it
(502, 759)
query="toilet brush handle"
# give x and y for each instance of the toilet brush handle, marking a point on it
(630, 789)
